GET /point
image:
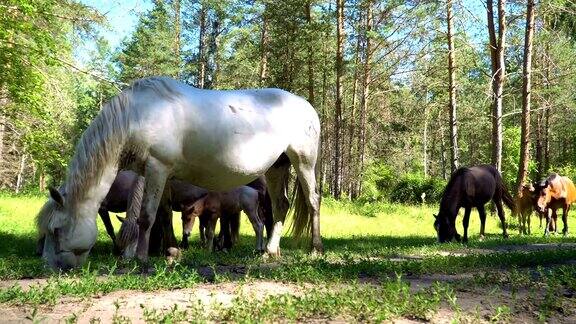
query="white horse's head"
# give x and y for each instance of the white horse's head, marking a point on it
(69, 232)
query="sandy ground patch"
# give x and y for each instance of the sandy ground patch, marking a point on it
(130, 305)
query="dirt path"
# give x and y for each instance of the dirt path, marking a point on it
(472, 305)
(131, 305)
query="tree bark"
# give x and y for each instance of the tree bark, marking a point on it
(202, 48)
(526, 96)
(336, 181)
(498, 76)
(452, 90)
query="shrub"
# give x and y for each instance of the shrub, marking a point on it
(411, 187)
(377, 183)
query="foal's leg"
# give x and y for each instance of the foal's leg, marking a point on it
(105, 216)
(234, 228)
(528, 216)
(155, 179)
(188, 219)
(168, 237)
(251, 210)
(548, 221)
(521, 222)
(482, 213)
(555, 220)
(224, 237)
(565, 211)
(465, 222)
(203, 223)
(501, 216)
(210, 230)
(276, 177)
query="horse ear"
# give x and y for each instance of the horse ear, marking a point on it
(120, 218)
(56, 195)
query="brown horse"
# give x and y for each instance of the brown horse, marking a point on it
(552, 193)
(225, 206)
(468, 188)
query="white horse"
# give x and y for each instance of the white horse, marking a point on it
(162, 129)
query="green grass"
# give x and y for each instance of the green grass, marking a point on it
(380, 241)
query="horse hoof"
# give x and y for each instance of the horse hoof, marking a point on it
(481, 238)
(272, 254)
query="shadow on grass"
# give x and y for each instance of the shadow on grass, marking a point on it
(345, 258)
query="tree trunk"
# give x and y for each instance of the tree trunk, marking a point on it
(214, 53)
(498, 76)
(310, 56)
(452, 91)
(425, 134)
(264, 49)
(20, 177)
(546, 139)
(323, 134)
(539, 149)
(366, 80)
(202, 48)
(42, 181)
(443, 153)
(352, 163)
(526, 94)
(177, 28)
(2, 130)
(338, 109)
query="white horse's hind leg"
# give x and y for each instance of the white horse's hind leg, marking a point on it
(304, 166)
(276, 178)
(155, 179)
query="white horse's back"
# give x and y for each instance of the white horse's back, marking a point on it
(221, 139)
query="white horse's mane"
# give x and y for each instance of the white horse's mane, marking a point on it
(104, 141)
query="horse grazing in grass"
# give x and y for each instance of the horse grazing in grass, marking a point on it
(225, 206)
(552, 193)
(468, 188)
(162, 128)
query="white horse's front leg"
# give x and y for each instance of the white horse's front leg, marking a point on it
(273, 247)
(156, 174)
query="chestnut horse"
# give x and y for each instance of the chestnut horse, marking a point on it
(552, 193)
(468, 188)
